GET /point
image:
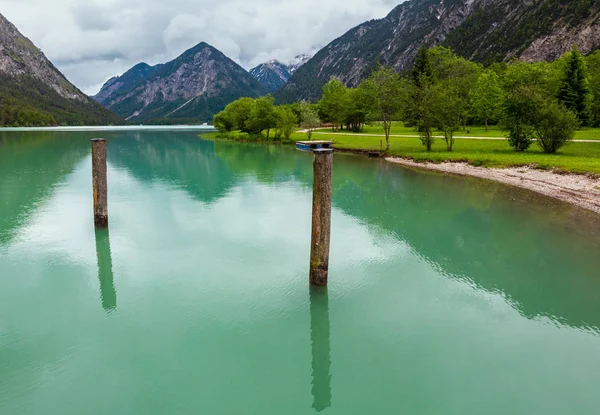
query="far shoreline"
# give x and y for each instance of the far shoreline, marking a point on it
(203, 128)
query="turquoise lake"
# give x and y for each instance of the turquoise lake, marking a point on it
(447, 295)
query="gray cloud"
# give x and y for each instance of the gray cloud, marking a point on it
(93, 40)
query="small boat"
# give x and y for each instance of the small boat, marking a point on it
(314, 145)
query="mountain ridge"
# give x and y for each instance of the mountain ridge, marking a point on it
(193, 86)
(485, 31)
(34, 92)
(125, 81)
(272, 75)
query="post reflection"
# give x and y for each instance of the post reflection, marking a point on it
(321, 348)
(108, 294)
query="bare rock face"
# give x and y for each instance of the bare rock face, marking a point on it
(586, 35)
(125, 82)
(483, 30)
(194, 86)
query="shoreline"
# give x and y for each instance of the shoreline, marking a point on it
(577, 189)
(582, 190)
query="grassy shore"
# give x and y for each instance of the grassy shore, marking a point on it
(574, 157)
(470, 131)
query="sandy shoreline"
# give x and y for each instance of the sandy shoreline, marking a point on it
(580, 190)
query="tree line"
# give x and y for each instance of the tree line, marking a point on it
(27, 102)
(258, 116)
(542, 102)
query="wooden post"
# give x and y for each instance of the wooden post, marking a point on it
(321, 348)
(321, 217)
(99, 182)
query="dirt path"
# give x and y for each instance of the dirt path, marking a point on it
(580, 190)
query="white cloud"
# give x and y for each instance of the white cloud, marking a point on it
(93, 40)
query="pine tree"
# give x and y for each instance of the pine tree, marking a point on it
(423, 69)
(575, 92)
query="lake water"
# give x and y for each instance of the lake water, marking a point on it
(447, 295)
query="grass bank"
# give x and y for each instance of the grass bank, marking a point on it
(574, 157)
(470, 131)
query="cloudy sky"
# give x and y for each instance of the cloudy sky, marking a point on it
(93, 40)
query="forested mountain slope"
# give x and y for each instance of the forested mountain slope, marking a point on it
(34, 93)
(483, 30)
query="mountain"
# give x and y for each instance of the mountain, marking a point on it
(298, 61)
(272, 75)
(33, 92)
(192, 87)
(482, 30)
(125, 82)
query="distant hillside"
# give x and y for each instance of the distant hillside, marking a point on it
(125, 82)
(272, 75)
(34, 93)
(193, 87)
(483, 30)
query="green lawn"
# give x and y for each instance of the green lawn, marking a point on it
(470, 131)
(574, 157)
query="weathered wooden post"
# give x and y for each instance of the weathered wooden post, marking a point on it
(99, 182)
(320, 348)
(321, 209)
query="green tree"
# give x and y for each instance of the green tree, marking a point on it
(335, 102)
(384, 95)
(309, 119)
(524, 85)
(447, 108)
(459, 73)
(223, 122)
(357, 112)
(593, 64)
(423, 69)
(554, 125)
(421, 97)
(262, 116)
(518, 74)
(286, 122)
(238, 112)
(575, 92)
(424, 100)
(518, 107)
(487, 97)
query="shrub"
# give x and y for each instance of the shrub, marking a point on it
(554, 126)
